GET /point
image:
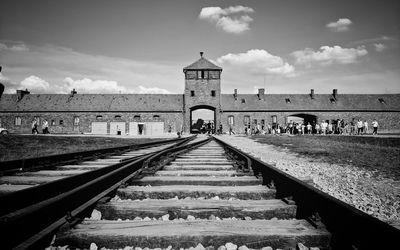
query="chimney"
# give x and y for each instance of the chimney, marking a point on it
(235, 94)
(21, 94)
(201, 54)
(335, 93)
(73, 92)
(312, 94)
(261, 93)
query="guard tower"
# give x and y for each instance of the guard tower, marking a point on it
(202, 90)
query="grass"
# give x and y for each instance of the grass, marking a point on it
(14, 147)
(373, 153)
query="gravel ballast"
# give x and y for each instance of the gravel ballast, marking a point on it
(363, 189)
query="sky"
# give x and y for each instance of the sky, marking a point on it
(128, 46)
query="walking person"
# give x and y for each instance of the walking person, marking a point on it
(365, 127)
(34, 127)
(359, 127)
(375, 126)
(45, 127)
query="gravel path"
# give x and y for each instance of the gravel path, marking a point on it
(377, 196)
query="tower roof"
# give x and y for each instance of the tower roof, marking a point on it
(202, 63)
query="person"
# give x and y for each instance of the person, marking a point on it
(365, 127)
(231, 130)
(45, 127)
(220, 128)
(309, 128)
(375, 126)
(245, 130)
(34, 127)
(330, 127)
(317, 128)
(359, 127)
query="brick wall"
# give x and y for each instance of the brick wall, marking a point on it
(173, 120)
(389, 122)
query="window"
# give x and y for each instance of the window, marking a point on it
(99, 117)
(287, 100)
(117, 117)
(332, 100)
(381, 100)
(76, 121)
(53, 122)
(17, 121)
(61, 122)
(231, 120)
(274, 119)
(192, 93)
(212, 92)
(246, 120)
(155, 117)
(243, 101)
(136, 117)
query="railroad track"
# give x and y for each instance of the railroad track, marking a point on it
(204, 192)
(21, 174)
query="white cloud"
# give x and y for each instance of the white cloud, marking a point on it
(86, 85)
(144, 90)
(328, 55)
(35, 84)
(16, 47)
(226, 18)
(379, 47)
(340, 25)
(257, 62)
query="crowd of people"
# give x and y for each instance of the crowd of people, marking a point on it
(340, 127)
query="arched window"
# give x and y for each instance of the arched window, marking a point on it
(156, 117)
(99, 117)
(137, 117)
(117, 117)
(231, 120)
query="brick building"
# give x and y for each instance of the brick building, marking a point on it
(155, 114)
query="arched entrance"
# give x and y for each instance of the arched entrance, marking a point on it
(202, 119)
(302, 118)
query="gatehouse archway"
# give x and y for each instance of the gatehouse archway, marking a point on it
(302, 118)
(202, 119)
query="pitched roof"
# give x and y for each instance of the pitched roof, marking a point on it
(299, 102)
(202, 63)
(93, 102)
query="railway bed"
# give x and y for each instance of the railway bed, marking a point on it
(201, 191)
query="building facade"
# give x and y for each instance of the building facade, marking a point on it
(156, 114)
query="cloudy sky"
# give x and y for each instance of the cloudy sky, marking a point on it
(100, 46)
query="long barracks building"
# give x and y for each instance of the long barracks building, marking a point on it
(155, 114)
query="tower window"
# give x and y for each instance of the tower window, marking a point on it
(287, 100)
(332, 100)
(212, 92)
(61, 122)
(381, 100)
(192, 93)
(243, 101)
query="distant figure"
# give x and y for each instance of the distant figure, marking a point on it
(220, 128)
(34, 127)
(309, 127)
(359, 127)
(45, 127)
(231, 130)
(375, 125)
(365, 127)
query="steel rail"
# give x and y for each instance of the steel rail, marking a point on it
(33, 224)
(25, 197)
(350, 227)
(68, 158)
